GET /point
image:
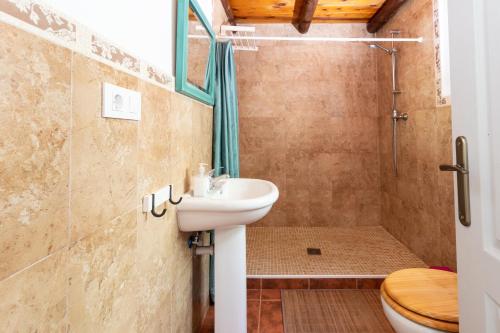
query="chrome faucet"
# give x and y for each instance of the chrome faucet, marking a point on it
(216, 182)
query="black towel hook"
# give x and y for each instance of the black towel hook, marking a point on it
(170, 198)
(155, 214)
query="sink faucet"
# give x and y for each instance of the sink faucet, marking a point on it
(215, 182)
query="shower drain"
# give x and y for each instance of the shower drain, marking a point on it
(312, 251)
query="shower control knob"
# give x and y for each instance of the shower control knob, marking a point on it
(399, 116)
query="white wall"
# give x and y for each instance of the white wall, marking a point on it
(145, 28)
(208, 9)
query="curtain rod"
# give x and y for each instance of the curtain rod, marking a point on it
(316, 39)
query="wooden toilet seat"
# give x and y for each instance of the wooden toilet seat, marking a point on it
(426, 296)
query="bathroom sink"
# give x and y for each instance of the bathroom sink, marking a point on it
(238, 201)
(233, 204)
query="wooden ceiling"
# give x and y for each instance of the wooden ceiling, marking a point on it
(302, 12)
(272, 11)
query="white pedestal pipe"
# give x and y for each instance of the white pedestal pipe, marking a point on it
(230, 280)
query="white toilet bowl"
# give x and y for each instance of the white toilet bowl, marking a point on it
(403, 325)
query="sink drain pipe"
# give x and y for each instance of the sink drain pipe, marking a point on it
(211, 269)
(204, 250)
(199, 249)
(194, 242)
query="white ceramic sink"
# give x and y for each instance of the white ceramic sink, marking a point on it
(239, 201)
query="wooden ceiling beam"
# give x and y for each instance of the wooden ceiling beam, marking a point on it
(229, 11)
(319, 20)
(383, 15)
(303, 13)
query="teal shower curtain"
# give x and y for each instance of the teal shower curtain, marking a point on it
(225, 136)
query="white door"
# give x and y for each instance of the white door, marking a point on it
(475, 87)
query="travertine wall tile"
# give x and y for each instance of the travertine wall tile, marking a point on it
(181, 144)
(182, 298)
(156, 265)
(154, 137)
(35, 115)
(155, 258)
(34, 300)
(103, 151)
(159, 322)
(309, 123)
(181, 147)
(202, 133)
(417, 206)
(103, 279)
(123, 270)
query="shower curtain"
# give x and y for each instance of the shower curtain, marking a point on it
(225, 136)
(225, 127)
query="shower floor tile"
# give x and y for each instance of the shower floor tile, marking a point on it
(353, 251)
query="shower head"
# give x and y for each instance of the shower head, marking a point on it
(377, 46)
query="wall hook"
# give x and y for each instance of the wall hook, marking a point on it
(170, 198)
(155, 214)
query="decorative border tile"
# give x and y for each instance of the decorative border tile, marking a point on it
(155, 74)
(40, 19)
(102, 48)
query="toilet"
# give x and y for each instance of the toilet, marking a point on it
(421, 300)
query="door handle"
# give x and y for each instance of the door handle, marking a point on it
(457, 168)
(462, 170)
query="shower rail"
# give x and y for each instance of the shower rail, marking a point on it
(395, 114)
(316, 39)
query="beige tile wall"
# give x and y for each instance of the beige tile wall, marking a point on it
(309, 123)
(417, 206)
(76, 250)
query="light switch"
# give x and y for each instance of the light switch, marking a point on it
(120, 103)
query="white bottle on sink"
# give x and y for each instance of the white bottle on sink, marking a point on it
(201, 181)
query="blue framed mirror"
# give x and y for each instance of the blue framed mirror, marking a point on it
(195, 53)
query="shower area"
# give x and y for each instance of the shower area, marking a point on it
(352, 134)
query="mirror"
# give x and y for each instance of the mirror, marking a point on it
(198, 52)
(195, 53)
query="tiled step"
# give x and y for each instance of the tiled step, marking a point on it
(314, 283)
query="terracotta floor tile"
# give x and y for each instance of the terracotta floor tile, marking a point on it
(208, 322)
(253, 283)
(271, 294)
(271, 317)
(253, 294)
(262, 317)
(369, 283)
(332, 283)
(207, 329)
(285, 283)
(253, 312)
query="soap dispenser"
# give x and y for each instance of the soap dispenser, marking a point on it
(201, 181)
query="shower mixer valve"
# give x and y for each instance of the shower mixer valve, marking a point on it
(399, 116)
